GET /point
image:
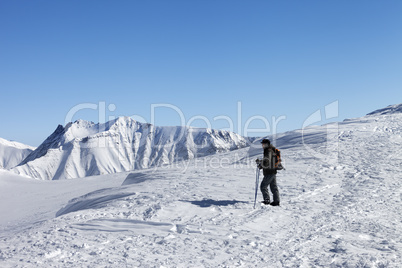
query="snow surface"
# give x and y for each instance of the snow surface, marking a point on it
(12, 153)
(82, 148)
(340, 207)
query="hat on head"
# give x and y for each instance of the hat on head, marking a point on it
(265, 141)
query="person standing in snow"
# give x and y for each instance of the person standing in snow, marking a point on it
(267, 164)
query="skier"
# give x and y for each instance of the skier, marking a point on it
(267, 164)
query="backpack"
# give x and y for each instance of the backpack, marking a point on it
(278, 161)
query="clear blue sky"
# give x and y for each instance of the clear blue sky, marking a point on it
(276, 57)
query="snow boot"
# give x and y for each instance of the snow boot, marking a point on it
(274, 204)
(266, 202)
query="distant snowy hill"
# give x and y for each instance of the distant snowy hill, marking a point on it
(391, 109)
(83, 148)
(314, 137)
(12, 153)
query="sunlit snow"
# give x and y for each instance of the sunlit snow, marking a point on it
(340, 207)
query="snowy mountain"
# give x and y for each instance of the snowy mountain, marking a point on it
(83, 148)
(340, 207)
(12, 153)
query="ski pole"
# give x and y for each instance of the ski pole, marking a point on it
(257, 178)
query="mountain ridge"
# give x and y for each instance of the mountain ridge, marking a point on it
(135, 145)
(84, 148)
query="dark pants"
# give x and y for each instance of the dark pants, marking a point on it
(271, 181)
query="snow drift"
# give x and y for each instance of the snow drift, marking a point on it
(83, 148)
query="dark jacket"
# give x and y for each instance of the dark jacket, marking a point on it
(268, 162)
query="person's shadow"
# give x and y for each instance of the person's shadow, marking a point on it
(210, 202)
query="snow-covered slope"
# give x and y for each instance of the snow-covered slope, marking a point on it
(12, 153)
(340, 207)
(391, 109)
(83, 148)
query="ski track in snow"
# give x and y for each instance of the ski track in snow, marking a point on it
(343, 211)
